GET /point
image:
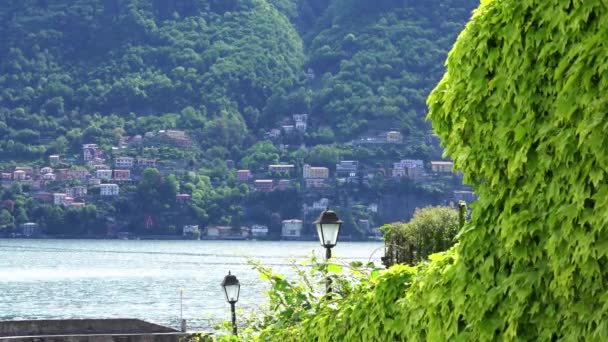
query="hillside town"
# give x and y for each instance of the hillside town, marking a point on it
(101, 176)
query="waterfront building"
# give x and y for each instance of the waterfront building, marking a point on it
(292, 229)
(29, 229)
(259, 231)
(219, 231)
(109, 189)
(190, 230)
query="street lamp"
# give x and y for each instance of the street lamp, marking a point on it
(328, 227)
(232, 289)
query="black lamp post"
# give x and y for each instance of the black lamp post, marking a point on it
(328, 227)
(232, 289)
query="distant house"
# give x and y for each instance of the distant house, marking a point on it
(191, 231)
(59, 198)
(44, 196)
(76, 191)
(62, 174)
(109, 189)
(258, 231)
(122, 175)
(288, 128)
(78, 174)
(46, 170)
(28, 170)
(284, 184)
(103, 174)
(94, 181)
(6, 176)
(49, 176)
(176, 137)
(281, 168)
(394, 137)
(292, 229)
(373, 207)
(243, 175)
(442, 166)
(263, 184)
(54, 159)
(124, 162)
(347, 169)
(146, 162)
(315, 172)
(183, 198)
(29, 229)
(412, 168)
(274, 133)
(219, 231)
(364, 225)
(91, 151)
(19, 175)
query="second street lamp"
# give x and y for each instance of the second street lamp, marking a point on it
(328, 227)
(232, 289)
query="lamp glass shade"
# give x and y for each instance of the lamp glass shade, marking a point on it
(328, 233)
(232, 288)
(328, 227)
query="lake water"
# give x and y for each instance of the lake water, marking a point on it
(49, 279)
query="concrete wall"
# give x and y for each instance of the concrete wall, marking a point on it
(79, 327)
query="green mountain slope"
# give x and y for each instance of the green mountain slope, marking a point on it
(61, 62)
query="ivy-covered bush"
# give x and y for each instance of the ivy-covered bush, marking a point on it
(522, 111)
(431, 230)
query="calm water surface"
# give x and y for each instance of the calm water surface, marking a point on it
(43, 279)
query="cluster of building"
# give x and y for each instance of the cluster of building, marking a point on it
(78, 178)
(291, 229)
(346, 171)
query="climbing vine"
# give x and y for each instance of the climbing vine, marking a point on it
(522, 112)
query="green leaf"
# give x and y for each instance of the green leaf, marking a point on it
(333, 268)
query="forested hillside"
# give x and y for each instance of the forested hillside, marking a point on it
(86, 69)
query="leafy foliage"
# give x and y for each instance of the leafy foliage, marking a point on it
(431, 230)
(522, 112)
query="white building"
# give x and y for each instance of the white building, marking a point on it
(109, 189)
(190, 230)
(54, 159)
(258, 230)
(292, 229)
(123, 162)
